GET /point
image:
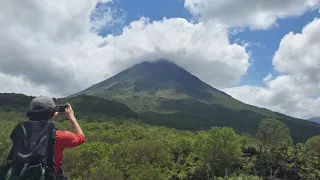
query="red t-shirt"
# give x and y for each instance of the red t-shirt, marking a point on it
(65, 139)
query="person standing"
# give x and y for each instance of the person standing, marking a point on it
(38, 147)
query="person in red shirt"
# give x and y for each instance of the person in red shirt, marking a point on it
(44, 108)
(67, 139)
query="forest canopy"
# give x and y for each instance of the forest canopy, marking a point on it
(128, 149)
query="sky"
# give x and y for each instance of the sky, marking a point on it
(264, 53)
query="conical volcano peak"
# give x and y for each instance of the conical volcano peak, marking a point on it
(158, 69)
(153, 76)
(159, 62)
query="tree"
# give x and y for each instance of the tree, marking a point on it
(313, 144)
(273, 133)
(219, 150)
(275, 140)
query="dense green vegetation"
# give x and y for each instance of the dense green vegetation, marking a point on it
(128, 149)
(165, 94)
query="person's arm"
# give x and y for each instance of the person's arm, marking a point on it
(74, 123)
(68, 139)
(76, 127)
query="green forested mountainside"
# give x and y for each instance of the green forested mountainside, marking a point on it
(84, 105)
(125, 149)
(166, 94)
(184, 114)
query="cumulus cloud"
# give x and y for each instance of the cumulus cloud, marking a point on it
(17, 84)
(296, 90)
(299, 53)
(257, 14)
(40, 41)
(202, 49)
(54, 46)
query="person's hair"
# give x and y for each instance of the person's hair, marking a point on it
(40, 116)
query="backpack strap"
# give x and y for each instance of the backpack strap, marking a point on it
(50, 170)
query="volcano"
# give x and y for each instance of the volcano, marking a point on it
(163, 93)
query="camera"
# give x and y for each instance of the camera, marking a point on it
(62, 108)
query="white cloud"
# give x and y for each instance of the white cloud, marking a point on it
(203, 49)
(297, 92)
(268, 78)
(299, 53)
(19, 85)
(104, 16)
(41, 41)
(50, 45)
(257, 14)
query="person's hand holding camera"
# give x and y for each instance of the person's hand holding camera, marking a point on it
(69, 113)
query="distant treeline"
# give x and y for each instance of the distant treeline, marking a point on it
(188, 115)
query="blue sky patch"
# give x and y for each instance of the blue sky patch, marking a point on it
(269, 41)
